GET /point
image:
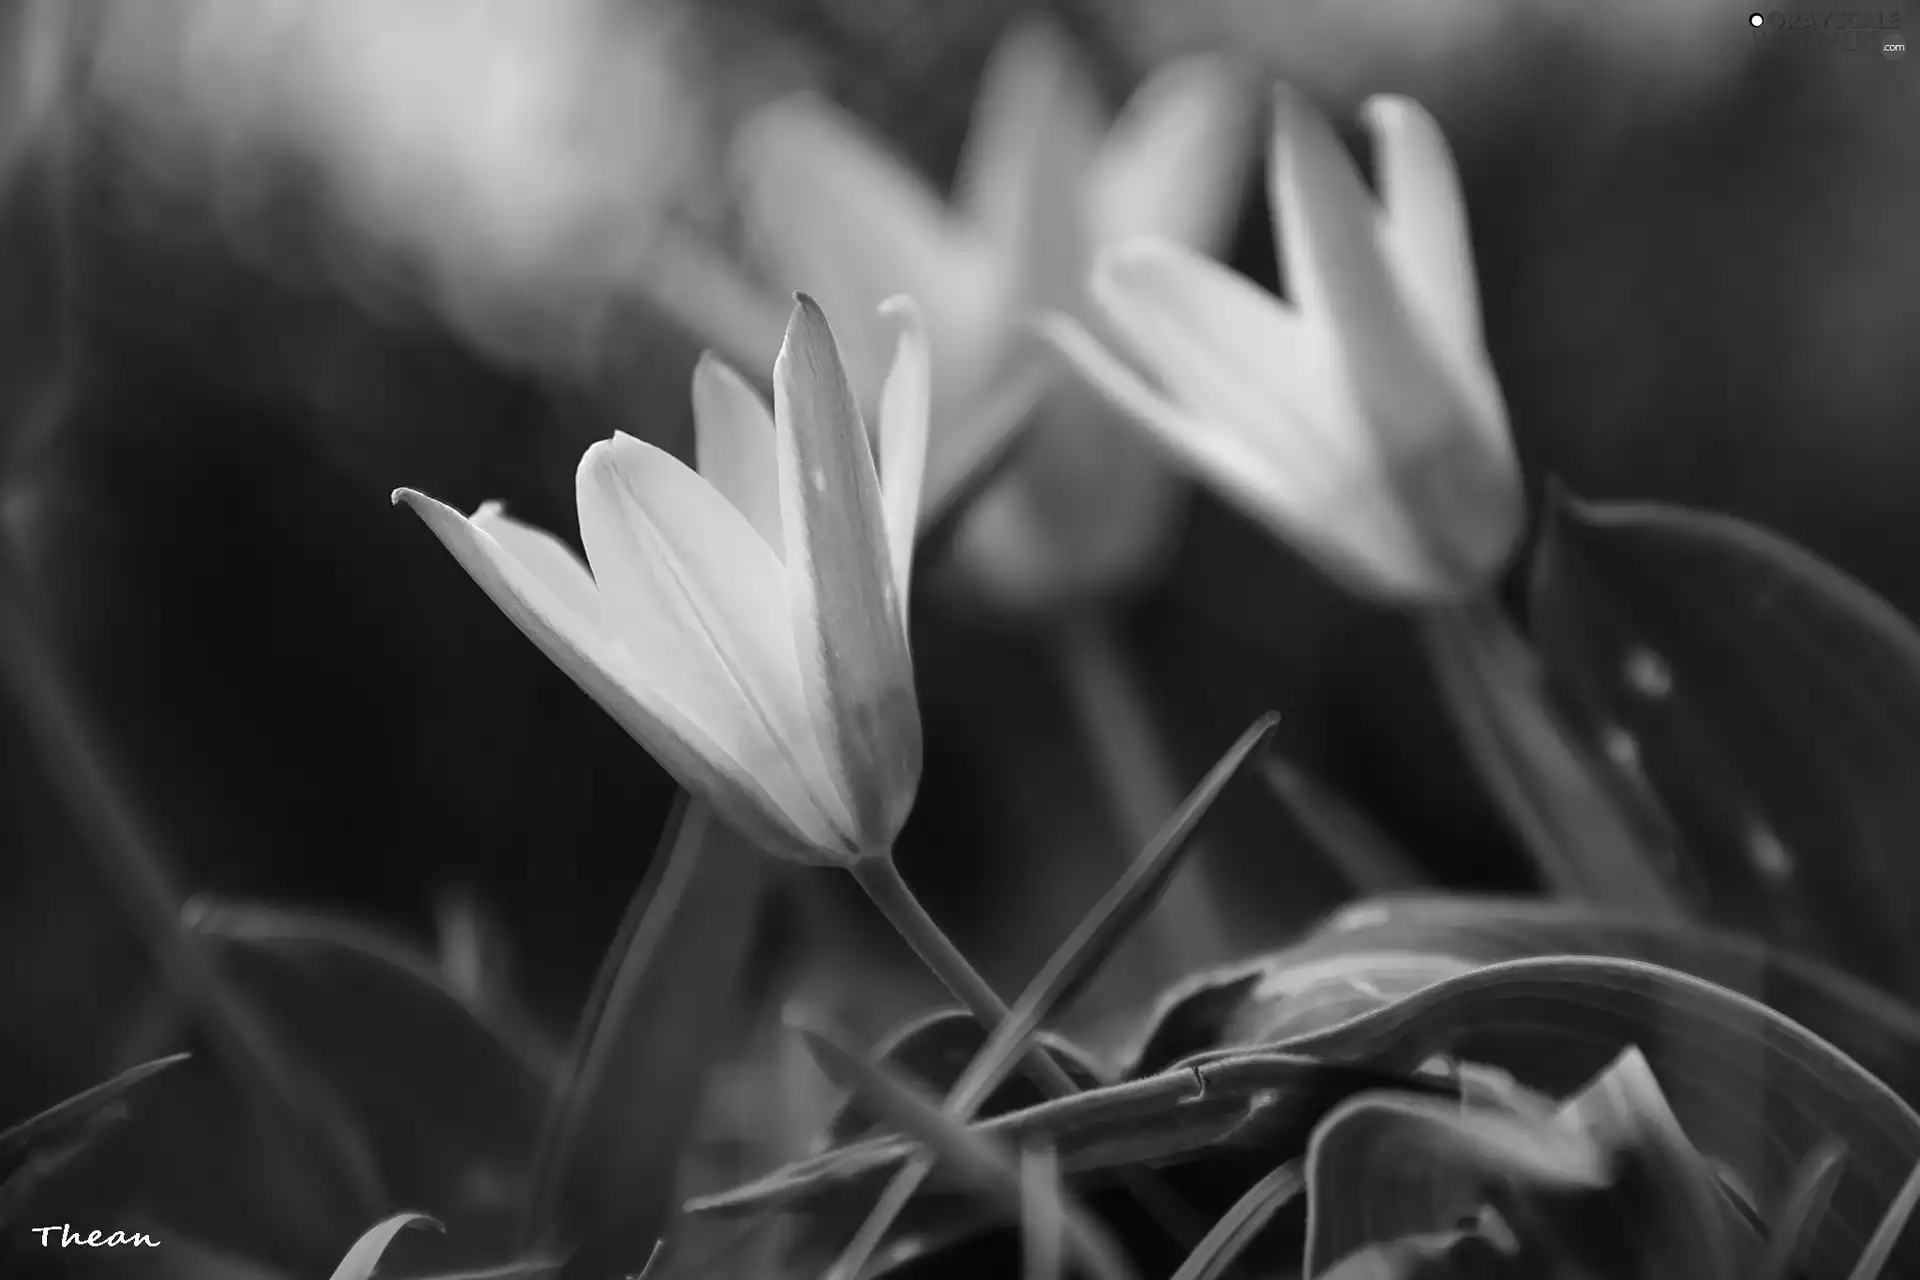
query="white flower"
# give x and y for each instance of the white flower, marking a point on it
(1361, 420)
(746, 622)
(1045, 179)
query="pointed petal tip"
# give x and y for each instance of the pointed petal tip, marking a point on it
(902, 308)
(401, 495)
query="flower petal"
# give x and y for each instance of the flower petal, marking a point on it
(1463, 495)
(530, 575)
(854, 662)
(840, 216)
(1175, 162)
(1425, 236)
(905, 403)
(1037, 127)
(688, 581)
(733, 445)
(549, 559)
(1346, 523)
(1228, 348)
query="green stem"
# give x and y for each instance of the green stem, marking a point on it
(883, 883)
(1186, 928)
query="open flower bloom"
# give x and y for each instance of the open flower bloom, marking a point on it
(1044, 179)
(1361, 421)
(746, 622)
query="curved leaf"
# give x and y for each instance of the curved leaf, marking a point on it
(1382, 1167)
(64, 1115)
(1881, 1033)
(1749, 1086)
(1772, 702)
(450, 1096)
(369, 1248)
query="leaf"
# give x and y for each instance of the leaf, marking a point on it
(1663, 1212)
(1247, 1219)
(1589, 841)
(667, 998)
(987, 1166)
(1295, 999)
(1747, 1085)
(1882, 1034)
(1773, 704)
(63, 1116)
(369, 1248)
(1383, 1166)
(1873, 1259)
(38, 1148)
(1442, 1255)
(1199, 1014)
(1806, 1201)
(1272, 1102)
(451, 1096)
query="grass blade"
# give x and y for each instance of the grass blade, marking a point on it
(609, 1157)
(989, 1167)
(69, 1111)
(1070, 969)
(1806, 1202)
(1887, 1234)
(1242, 1223)
(1042, 1223)
(368, 1249)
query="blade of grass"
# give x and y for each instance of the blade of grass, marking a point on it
(989, 1167)
(1042, 1224)
(1187, 930)
(1887, 1234)
(659, 1013)
(1069, 970)
(1242, 1224)
(367, 1250)
(68, 1110)
(1805, 1204)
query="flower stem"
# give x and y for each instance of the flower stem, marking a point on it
(1186, 929)
(883, 883)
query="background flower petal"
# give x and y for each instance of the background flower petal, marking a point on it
(1175, 162)
(836, 214)
(905, 403)
(1425, 235)
(1037, 127)
(733, 445)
